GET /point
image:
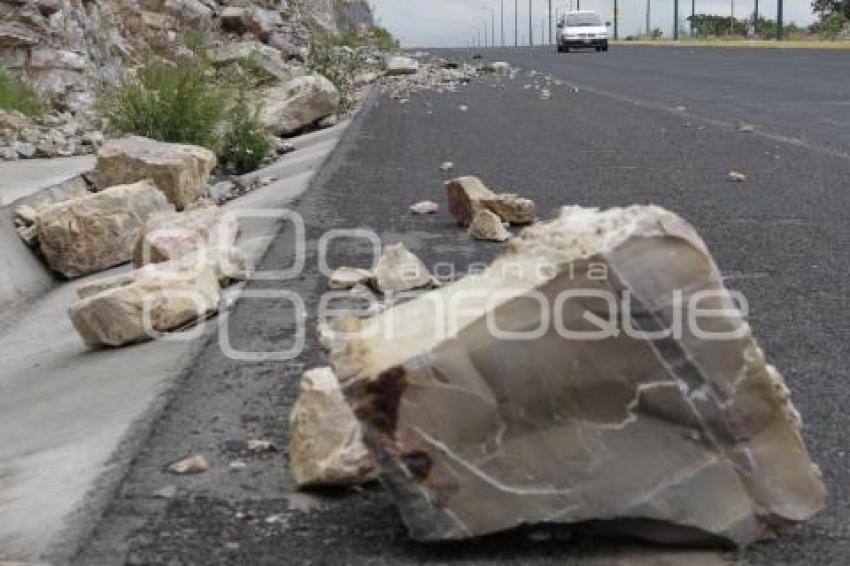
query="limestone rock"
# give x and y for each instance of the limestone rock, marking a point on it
(196, 464)
(267, 59)
(399, 65)
(180, 171)
(349, 277)
(400, 270)
(464, 195)
(170, 235)
(159, 298)
(261, 23)
(736, 177)
(299, 103)
(497, 68)
(486, 225)
(96, 231)
(424, 207)
(497, 416)
(512, 208)
(326, 445)
(468, 194)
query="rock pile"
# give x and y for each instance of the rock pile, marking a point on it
(485, 212)
(52, 135)
(499, 415)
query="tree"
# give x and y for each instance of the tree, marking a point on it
(826, 8)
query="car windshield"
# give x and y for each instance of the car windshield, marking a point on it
(583, 20)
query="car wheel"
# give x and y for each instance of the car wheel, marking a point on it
(566, 49)
(598, 49)
(605, 49)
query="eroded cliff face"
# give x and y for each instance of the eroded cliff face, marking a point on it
(66, 47)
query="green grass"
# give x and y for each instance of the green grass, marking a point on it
(169, 101)
(17, 94)
(245, 145)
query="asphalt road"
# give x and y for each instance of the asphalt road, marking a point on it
(781, 238)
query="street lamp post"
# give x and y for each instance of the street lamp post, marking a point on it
(648, 19)
(550, 22)
(485, 31)
(502, 19)
(516, 23)
(756, 18)
(694, 15)
(530, 26)
(779, 24)
(616, 20)
(676, 19)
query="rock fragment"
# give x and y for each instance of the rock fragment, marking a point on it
(349, 277)
(91, 233)
(736, 177)
(682, 429)
(468, 194)
(511, 208)
(486, 225)
(326, 446)
(399, 65)
(497, 68)
(195, 464)
(179, 171)
(446, 166)
(399, 269)
(171, 235)
(424, 207)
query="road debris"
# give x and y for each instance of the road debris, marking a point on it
(326, 446)
(446, 166)
(399, 269)
(497, 68)
(463, 107)
(399, 65)
(486, 225)
(196, 464)
(746, 128)
(348, 277)
(260, 445)
(468, 194)
(424, 207)
(690, 438)
(736, 177)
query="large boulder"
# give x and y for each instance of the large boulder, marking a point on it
(154, 300)
(171, 235)
(91, 233)
(180, 171)
(326, 445)
(597, 371)
(299, 103)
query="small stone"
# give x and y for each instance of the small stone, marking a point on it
(736, 177)
(487, 226)
(424, 207)
(745, 128)
(446, 166)
(680, 108)
(259, 445)
(348, 277)
(463, 107)
(237, 465)
(196, 464)
(167, 492)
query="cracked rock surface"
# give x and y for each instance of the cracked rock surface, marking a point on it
(680, 436)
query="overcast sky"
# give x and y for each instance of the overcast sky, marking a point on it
(437, 23)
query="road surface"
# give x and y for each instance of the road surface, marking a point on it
(781, 238)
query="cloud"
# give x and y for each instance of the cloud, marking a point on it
(445, 23)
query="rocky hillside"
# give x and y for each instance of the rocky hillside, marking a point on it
(68, 47)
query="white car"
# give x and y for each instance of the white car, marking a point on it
(582, 29)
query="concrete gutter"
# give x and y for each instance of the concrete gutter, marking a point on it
(72, 418)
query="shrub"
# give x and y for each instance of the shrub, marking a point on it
(337, 62)
(833, 25)
(172, 101)
(245, 144)
(17, 94)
